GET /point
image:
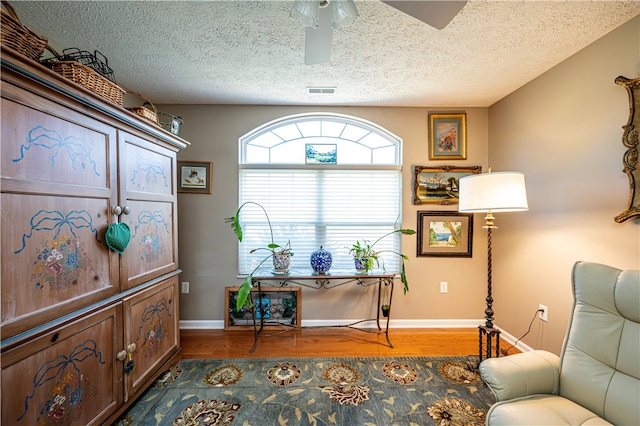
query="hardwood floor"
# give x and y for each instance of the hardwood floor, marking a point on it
(330, 342)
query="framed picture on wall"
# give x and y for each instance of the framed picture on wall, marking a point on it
(439, 185)
(445, 234)
(194, 177)
(448, 136)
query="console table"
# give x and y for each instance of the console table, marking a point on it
(316, 281)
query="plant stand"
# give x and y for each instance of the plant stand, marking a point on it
(327, 281)
(284, 306)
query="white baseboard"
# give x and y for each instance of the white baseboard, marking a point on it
(468, 323)
(201, 325)
(511, 340)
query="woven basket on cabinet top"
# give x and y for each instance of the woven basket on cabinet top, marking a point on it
(147, 111)
(85, 76)
(18, 37)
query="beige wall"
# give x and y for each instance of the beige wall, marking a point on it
(207, 244)
(564, 131)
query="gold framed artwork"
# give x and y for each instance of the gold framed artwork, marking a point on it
(448, 136)
(439, 185)
(194, 177)
(445, 234)
(630, 141)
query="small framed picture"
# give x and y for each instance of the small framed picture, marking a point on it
(448, 136)
(194, 177)
(445, 234)
(439, 185)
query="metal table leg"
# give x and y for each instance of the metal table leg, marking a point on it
(389, 314)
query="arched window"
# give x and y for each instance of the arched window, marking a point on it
(325, 180)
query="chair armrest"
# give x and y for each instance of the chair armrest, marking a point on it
(528, 373)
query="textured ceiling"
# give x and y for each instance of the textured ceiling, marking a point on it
(251, 52)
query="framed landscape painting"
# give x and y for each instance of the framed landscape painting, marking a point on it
(448, 136)
(439, 185)
(445, 234)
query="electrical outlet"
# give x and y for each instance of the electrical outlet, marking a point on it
(543, 312)
(185, 286)
(443, 286)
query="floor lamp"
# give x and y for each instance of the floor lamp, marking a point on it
(489, 193)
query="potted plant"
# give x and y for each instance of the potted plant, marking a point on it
(385, 310)
(364, 254)
(279, 254)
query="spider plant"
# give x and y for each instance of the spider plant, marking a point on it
(370, 257)
(272, 248)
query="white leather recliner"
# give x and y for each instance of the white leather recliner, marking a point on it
(596, 379)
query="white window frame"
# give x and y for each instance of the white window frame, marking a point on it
(382, 166)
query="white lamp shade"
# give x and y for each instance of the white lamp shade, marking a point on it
(496, 192)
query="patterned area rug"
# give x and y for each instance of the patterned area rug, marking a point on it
(403, 391)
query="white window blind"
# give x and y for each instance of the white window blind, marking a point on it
(330, 206)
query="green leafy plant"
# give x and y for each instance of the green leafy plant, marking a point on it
(274, 249)
(370, 257)
(385, 310)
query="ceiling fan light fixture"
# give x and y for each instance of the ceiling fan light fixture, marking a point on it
(306, 12)
(343, 13)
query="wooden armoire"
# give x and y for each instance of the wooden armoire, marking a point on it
(84, 329)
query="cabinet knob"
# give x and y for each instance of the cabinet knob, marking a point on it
(131, 348)
(117, 210)
(122, 355)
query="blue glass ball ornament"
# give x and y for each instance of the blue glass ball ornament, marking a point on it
(321, 261)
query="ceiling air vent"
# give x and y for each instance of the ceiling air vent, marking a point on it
(321, 90)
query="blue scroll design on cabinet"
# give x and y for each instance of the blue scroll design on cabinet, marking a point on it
(152, 328)
(75, 148)
(70, 388)
(150, 170)
(151, 243)
(49, 220)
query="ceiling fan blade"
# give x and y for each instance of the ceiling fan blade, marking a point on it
(438, 14)
(317, 41)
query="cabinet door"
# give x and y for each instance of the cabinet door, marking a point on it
(57, 188)
(69, 376)
(148, 189)
(151, 324)
(50, 148)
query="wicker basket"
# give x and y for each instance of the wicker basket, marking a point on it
(88, 78)
(18, 37)
(95, 60)
(147, 111)
(85, 76)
